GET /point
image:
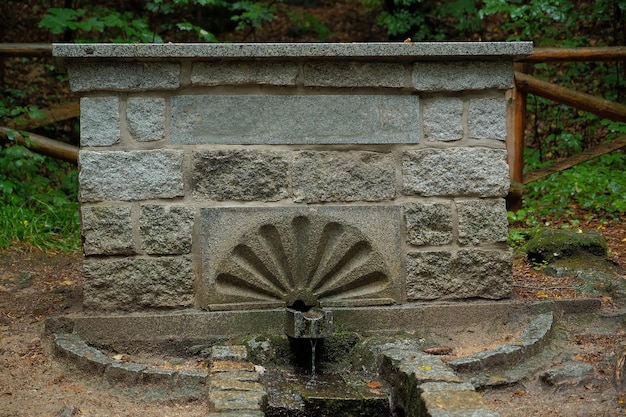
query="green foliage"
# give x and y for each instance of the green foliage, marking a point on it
(94, 23)
(552, 22)
(38, 199)
(527, 19)
(598, 187)
(427, 20)
(252, 14)
(171, 18)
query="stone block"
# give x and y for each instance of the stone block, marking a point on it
(294, 119)
(459, 274)
(456, 172)
(355, 74)
(417, 366)
(124, 373)
(137, 283)
(229, 353)
(225, 384)
(340, 255)
(107, 230)
(482, 221)
(123, 76)
(487, 118)
(443, 119)
(227, 401)
(240, 175)
(158, 376)
(244, 72)
(343, 176)
(428, 223)
(166, 229)
(99, 121)
(448, 400)
(462, 76)
(191, 379)
(128, 176)
(85, 357)
(146, 118)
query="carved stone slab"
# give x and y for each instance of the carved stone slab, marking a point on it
(271, 257)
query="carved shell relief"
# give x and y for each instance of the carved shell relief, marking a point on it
(305, 259)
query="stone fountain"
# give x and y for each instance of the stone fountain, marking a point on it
(224, 185)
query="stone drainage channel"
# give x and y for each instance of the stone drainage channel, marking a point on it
(403, 380)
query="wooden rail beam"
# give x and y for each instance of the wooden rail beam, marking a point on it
(25, 49)
(52, 114)
(612, 53)
(569, 162)
(596, 105)
(43, 145)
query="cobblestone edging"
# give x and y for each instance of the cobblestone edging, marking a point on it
(92, 360)
(423, 384)
(232, 384)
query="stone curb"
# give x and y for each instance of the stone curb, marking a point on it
(535, 336)
(92, 360)
(425, 386)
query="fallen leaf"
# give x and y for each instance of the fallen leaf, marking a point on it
(438, 350)
(425, 368)
(374, 384)
(73, 388)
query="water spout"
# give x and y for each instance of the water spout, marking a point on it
(311, 323)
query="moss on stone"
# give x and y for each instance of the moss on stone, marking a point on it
(549, 244)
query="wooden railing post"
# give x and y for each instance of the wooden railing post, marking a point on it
(515, 144)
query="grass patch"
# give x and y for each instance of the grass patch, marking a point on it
(39, 203)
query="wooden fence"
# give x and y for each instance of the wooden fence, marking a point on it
(527, 84)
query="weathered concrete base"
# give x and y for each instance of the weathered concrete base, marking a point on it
(174, 332)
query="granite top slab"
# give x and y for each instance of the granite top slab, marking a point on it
(372, 50)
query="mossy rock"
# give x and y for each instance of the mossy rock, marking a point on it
(547, 245)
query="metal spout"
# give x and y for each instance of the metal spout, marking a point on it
(315, 323)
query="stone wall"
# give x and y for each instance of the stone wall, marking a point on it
(256, 175)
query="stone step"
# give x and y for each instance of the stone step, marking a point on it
(234, 387)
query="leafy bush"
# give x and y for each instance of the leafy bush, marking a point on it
(38, 199)
(597, 187)
(428, 20)
(186, 20)
(123, 27)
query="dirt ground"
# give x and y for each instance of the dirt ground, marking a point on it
(35, 285)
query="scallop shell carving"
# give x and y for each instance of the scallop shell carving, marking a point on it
(309, 259)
